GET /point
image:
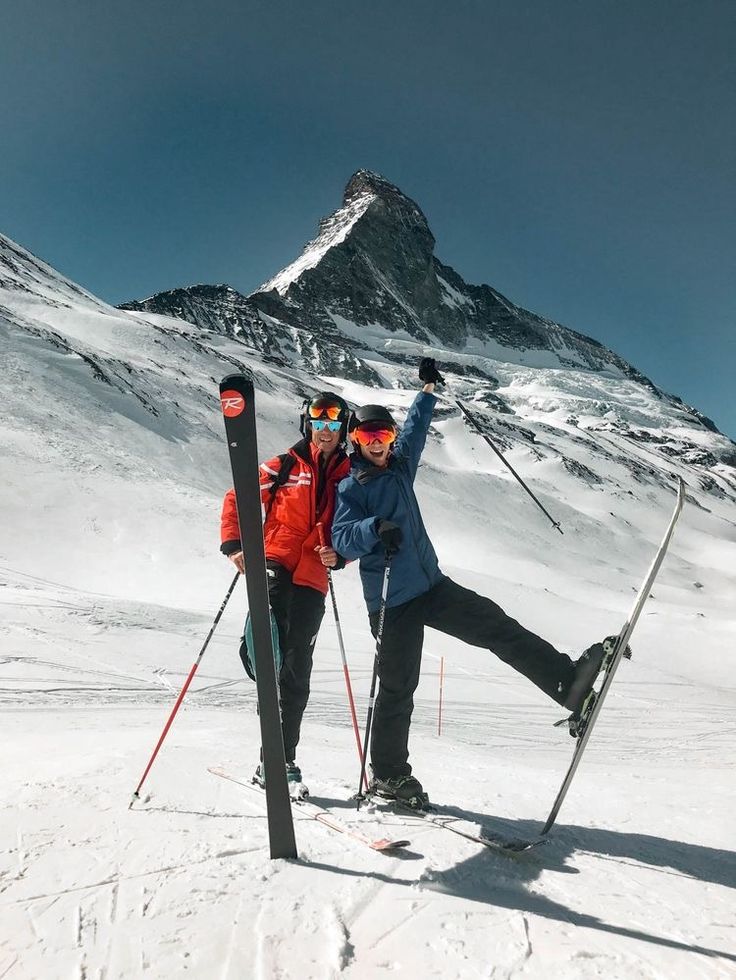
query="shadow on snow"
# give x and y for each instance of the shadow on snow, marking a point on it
(507, 887)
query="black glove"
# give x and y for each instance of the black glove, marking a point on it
(390, 536)
(428, 372)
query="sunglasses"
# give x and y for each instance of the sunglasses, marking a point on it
(319, 424)
(317, 409)
(366, 436)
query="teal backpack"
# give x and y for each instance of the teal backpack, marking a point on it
(246, 641)
(246, 645)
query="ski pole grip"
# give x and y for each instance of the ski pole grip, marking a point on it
(321, 531)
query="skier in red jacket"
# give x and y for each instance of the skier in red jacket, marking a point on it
(297, 494)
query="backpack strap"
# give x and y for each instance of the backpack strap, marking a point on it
(287, 465)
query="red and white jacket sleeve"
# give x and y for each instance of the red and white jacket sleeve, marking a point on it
(229, 527)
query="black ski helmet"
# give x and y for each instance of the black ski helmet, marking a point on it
(324, 399)
(371, 413)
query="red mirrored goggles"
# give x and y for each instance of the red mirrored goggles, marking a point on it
(365, 436)
(324, 409)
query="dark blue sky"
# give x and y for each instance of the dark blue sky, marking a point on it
(578, 155)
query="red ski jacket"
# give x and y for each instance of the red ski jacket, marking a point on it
(306, 498)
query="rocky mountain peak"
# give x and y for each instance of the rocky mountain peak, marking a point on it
(407, 213)
(366, 181)
(392, 218)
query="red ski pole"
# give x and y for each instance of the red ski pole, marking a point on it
(346, 672)
(187, 682)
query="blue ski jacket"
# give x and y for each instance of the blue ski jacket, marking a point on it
(371, 493)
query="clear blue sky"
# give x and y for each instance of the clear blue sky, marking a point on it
(578, 155)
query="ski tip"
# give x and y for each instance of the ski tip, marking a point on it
(239, 380)
(389, 845)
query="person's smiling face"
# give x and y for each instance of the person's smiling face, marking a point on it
(374, 442)
(326, 440)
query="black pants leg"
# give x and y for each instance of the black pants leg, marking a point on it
(298, 611)
(480, 622)
(398, 671)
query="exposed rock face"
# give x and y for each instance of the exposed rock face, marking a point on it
(221, 309)
(224, 310)
(373, 263)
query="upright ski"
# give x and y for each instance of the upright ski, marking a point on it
(237, 397)
(614, 654)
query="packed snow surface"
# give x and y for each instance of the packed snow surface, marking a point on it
(114, 464)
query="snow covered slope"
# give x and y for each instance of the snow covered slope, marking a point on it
(113, 467)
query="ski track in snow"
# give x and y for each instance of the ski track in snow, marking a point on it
(182, 884)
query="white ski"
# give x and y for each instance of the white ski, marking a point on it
(315, 812)
(614, 657)
(456, 825)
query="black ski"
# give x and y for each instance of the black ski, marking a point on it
(582, 726)
(237, 397)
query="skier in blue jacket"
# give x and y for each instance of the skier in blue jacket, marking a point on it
(377, 516)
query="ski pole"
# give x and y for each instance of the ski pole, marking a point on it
(183, 691)
(474, 422)
(371, 697)
(442, 679)
(346, 672)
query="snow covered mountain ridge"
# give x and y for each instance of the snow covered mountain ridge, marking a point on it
(368, 292)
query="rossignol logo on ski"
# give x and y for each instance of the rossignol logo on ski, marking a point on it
(233, 403)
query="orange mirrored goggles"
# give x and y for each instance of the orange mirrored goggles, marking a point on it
(319, 409)
(366, 436)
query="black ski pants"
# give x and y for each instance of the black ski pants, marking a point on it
(298, 611)
(451, 609)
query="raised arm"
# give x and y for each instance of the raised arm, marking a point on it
(413, 436)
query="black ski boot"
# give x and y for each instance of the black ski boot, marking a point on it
(403, 789)
(587, 668)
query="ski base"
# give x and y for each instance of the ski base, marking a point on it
(582, 726)
(238, 401)
(323, 816)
